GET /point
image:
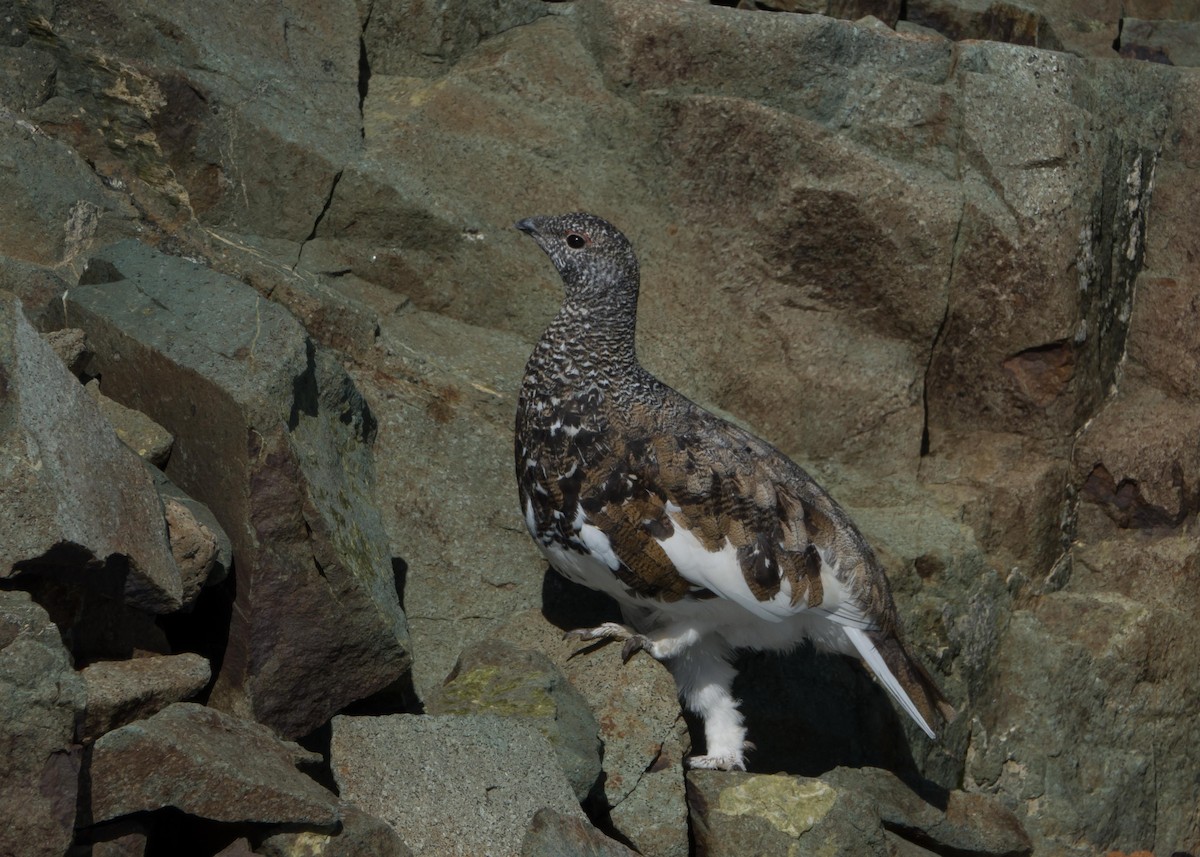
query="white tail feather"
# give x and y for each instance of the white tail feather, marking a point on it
(866, 650)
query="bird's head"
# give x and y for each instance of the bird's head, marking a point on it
(594, 259)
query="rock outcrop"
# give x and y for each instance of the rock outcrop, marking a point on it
(938, 251)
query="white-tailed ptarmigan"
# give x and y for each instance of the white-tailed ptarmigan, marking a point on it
(709, 538)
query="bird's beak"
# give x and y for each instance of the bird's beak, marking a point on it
(527, 226)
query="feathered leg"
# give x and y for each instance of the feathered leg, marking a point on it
(704, 677)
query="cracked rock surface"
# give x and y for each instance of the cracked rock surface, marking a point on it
(940, 252)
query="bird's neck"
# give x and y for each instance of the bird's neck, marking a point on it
(595, 339)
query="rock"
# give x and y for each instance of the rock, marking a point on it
(208, 764)
(1170, 42)
(237, 848)
(495, 677)
(492, 774)
(71, 347)
(994, 20)
(552, 834)
(359, 834)
(317, 623)
(636, 705)
(408, 34)
(40, 697)
(120, 692)
(136, 430)
(37, 286)
(124, 839)
(442, 417)
(848, 811)
(200, 545)
(180, 101)
(55, 206)
(73, 499)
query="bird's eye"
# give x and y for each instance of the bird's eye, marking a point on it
(575, 241)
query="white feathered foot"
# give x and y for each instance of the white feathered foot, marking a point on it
(704, 678)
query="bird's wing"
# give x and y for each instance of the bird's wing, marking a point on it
(714, 510)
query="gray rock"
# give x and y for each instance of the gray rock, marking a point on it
(208, 764)
(645, 738)
(405, 35)
(201, 547)
(359, 834)
(1170, 42)
(37, 286)
(242, 117)
(136, 430)
(845, 812)
(73, 498)
(450, 785)
(71, 347)
(496, 677)
(26, 77)
(552, 834)
(442, 395)
(40, 697)
(272, 436)
(1018, 24)
(54, 203)
(119, 692)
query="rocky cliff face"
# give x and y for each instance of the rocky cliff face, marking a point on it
(954, 278)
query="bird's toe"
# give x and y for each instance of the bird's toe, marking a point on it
(635, 644)
(718, 762)
(607, 631)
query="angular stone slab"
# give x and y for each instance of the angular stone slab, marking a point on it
(273, 437)
(73, 498)
(40, 695)
(552, 834)
(496, 677)
(359, 834)
(119, 692)
(207, 764)
(451, 785)
(864, 811)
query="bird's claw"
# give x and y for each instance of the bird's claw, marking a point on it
(634, 642)
(633, 645)
(731, 761)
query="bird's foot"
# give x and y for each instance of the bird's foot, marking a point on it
(733, 760)
(634, 642)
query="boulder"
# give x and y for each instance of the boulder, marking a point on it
(272, 436)
(359, 834)
(207, 764)
(74, 500)
(489, 777)
(552, 834)
(136, 430)
(643, 733)
(120, 692)
(40, 697)
(1170, 42)
(847, 811)
(496, 677)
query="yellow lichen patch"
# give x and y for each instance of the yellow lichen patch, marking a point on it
(787, 804)
(486, 690)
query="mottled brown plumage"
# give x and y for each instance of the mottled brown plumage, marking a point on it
(710, 537)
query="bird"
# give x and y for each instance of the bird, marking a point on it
(710, 539)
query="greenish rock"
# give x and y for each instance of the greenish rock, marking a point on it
(453, 785)
(495, 677)
(865, 811)
(40, 697)
(552, 834)
(786, 804)
(75, 502)
(274, 438)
